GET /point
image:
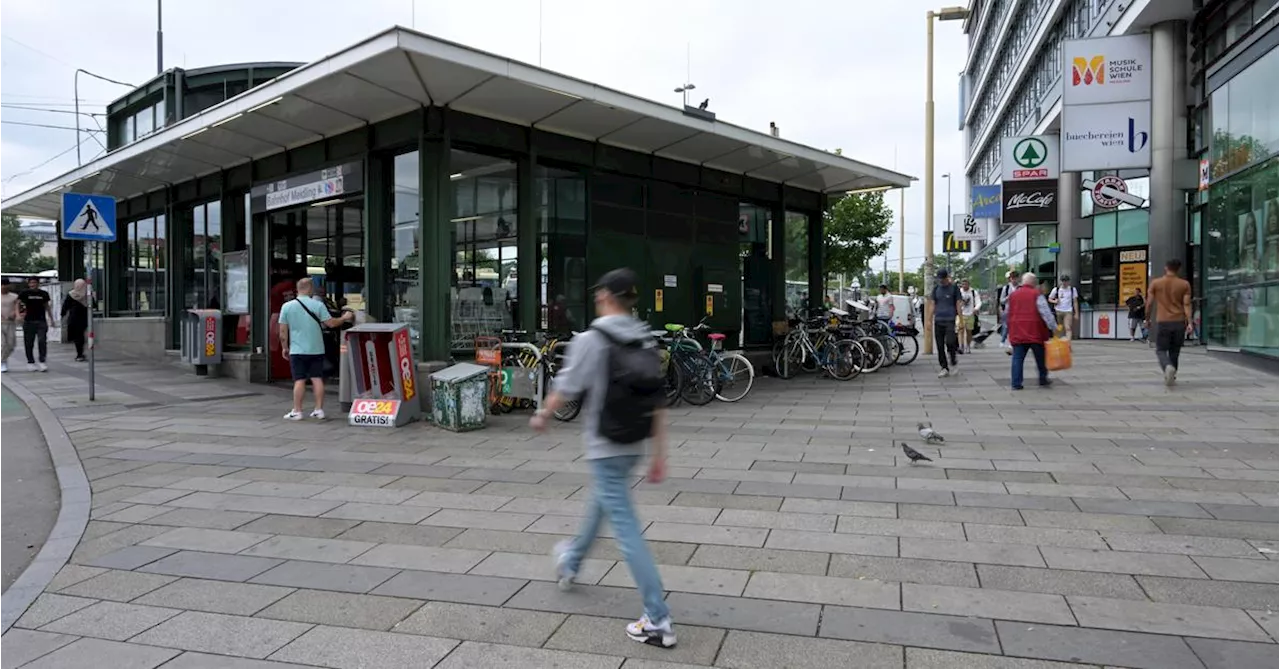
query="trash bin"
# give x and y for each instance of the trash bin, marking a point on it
(202, 338)
(460, 397)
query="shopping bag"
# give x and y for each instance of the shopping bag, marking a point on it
(1057, 354)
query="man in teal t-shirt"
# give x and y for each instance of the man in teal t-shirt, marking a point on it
(302, 343)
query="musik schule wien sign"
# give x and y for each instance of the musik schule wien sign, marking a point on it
(1030, 201)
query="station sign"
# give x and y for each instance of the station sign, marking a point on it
(309, 188)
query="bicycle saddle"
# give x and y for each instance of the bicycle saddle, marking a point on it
(715, 336)
(674, 327)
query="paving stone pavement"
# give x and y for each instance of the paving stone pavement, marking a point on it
(1107, 521)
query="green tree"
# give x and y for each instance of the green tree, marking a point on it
(18, 252)
(855, 228)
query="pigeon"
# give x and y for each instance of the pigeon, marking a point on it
(914, 455)
(927, 433)
(704, 104)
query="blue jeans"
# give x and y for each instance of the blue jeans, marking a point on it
(1020, 356)
(611, 497)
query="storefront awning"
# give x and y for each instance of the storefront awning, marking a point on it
(401, 70)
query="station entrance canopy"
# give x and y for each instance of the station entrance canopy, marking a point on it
(400, 70)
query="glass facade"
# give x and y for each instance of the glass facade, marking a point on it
(483, 301)
(405, 259)
(202, 269)
(795, 254)
(561, 210)
(145, 267)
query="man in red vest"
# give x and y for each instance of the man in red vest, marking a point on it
(1030, 323)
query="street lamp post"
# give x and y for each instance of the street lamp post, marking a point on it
(944, 14)
(685, 88)
(947, 176)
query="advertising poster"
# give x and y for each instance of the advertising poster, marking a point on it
(984, 201)
(1133, 276)
(1250, 224)
(1271, 236)
(235, 267)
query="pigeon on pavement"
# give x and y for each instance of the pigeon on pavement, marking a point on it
(914, 455)
(927, 433)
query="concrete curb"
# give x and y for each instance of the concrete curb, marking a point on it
(73, 514)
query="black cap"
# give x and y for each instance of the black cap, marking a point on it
(884, 286)
(620, 282)
(942, 274)
(1065, 277)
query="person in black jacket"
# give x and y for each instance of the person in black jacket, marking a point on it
(75, 316)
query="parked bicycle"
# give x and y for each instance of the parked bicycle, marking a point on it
(698, 375)
(815, 345)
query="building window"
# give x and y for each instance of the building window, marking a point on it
(202, 285)
(561, 208)
(1240, 267)
(145, 266)
(406, 258)
(484, 260)
(795, 257)
(1245, 117)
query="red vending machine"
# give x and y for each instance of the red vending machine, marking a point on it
(381, 374)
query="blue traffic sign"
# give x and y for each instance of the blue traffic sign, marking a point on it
(88, 217)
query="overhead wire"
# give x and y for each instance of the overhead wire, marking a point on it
(47, 125)
(46, 162)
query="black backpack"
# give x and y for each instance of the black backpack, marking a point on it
(635, 389)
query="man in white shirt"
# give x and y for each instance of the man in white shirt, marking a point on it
(1066, 304)
(884, 304)
(1002, 305)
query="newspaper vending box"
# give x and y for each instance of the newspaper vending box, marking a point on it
(384, 376)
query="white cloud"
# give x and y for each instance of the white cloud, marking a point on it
(830, 74)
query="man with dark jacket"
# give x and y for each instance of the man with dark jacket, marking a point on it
(1030, 324)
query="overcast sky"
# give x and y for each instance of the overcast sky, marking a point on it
(830, 73)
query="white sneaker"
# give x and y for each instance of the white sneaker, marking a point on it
(31, 367)
(655, 634)
(4, 367)
(42, 367)
(318, 414)
(564, 577)
(293, 415)
(1170, 375)
(944, 374)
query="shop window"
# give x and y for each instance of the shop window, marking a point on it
(406, 258)
(1131, 227)
(484, 260)
(1245, 117)
(561, 208)
(1106, 276)
(796, 261)
(1240, 251)
(1104, 231)
(145, 265)
(1086, 282)
(1041, 236)
(202, 285)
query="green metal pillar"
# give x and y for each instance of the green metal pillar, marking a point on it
(817, 272)
(778, 264)
(436, 235)
(378, 231)
(527, 231)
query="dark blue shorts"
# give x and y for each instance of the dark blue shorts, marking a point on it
(307, 366)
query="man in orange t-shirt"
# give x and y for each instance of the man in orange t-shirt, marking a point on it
(1170, 298)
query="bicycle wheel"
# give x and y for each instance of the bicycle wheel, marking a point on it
(892, 349)
(673, 379)
(875, 353)
(845, 362)
(734, 377)
(910, 349)
(699, 386)
(784, 360)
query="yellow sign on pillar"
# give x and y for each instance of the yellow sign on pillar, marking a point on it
(710, 306)
(657, 300)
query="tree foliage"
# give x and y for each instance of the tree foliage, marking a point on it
(855, 228)
(20, 253)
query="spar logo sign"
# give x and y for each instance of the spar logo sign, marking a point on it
(374, 413)
(1029, 155)
(210, 336)
(1029, 158)
(404, 359)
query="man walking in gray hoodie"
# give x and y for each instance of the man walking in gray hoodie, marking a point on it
(588, 375)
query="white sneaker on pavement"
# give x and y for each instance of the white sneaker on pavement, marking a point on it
(42, 367)
(318, 414)
(293, 415)
(1170, 375)
(944, 374)
(4, 367)
(564, 577)
(31, 367)
(655, 634)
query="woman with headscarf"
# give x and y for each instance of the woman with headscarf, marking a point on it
(75, 316)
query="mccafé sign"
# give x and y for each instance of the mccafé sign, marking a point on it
(1030, 201)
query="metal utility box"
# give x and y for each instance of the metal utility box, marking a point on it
(460, 397)
(381, 375)
(202, 338)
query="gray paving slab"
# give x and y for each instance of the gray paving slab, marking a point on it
(417, 535)
(917, 629)
(479, 655)
(904, 570)
(110, 620)
(1180, 544)
(754, 650)
(222, 634)
(728, 501)
(70, 575)
(341, 609)
(760, 559)
(214, 566)
(857, 544)
(99, 653)
(928, 658)
(605, 636)
(986, 602)
(942, 497)
(536, 567)
(214, 596)
(1260, 514)
(1220, 654)
(1121, 562)
(1089, 521)
(1162, 618)
(1268, 620)
(1229, 594)
(708, 534)
(209, 541)
(118, 586)
(1142, 508)
(482, 623)
(1015, 501)
(130, 557)
(22, 646)
(192, 660)
(358, 511)
(1107, 647)
(429, 558)
(298, 526)
(808, 522)
(212, 519)
(49, 607)
(323, 576)
(824, 590)
(742, 613)
(1034, 536)
(1060, 581)
(678, 578)
(960, 514)
(465, 589)
(307, 548)
(1238, 529)
(972, 551)
(591, 600)
(840, 507)
(1237, 569)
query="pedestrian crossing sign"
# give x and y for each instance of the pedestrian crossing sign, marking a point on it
(88, 217)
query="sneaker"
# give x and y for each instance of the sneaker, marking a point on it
(645, 631)
(42, 367)
(293, 415)
(81, 358)
(1046, 383)
(4, 367)
(1008, 351)
(31, 367)
(1170, 375)
(944, 373)
(318, 414)
(564, 577)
